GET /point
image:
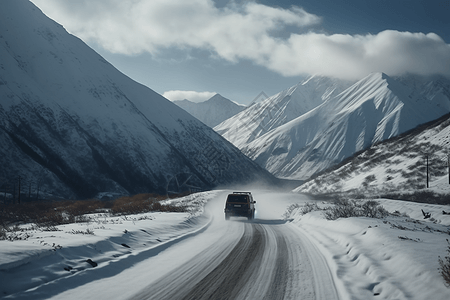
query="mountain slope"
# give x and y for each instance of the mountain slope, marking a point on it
(260, 118)
(374, 109)
(212, 111)
(397, 165)
(73, 125)
(433, 87)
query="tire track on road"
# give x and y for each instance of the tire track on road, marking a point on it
(277, 288)
(234, 272)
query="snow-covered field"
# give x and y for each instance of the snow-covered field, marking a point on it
(391, 258)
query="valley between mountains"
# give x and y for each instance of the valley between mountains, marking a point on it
(108, 190)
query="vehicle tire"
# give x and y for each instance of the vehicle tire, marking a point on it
(227, 217)
(250, 216)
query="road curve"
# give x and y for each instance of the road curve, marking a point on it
(269, 260)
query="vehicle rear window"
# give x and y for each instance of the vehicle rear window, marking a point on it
(237, 198)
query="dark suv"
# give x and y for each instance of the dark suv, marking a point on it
(240, 204)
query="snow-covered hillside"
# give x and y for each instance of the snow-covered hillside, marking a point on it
(279, 109)
(73, 125)
(375, 108)
(212, 111)
(396, 166)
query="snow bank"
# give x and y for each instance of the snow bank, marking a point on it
(393, 258)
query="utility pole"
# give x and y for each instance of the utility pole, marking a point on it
(29, 191)
(19, 190)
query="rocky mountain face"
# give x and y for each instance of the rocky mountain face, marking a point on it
(212, 111)
(72, 125)
(373, 109)
(262, 117)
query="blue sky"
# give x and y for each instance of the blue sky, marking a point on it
(361, 16)
(193, 49)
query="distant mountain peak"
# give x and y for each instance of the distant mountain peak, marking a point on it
(212, 111)
(217, 98)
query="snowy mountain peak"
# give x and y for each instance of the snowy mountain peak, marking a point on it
(216, 98)
(279, 109)
(369, 84)
(212, 111)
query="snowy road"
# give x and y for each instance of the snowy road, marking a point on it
(202, 256)
(239, 259)
(267, 258)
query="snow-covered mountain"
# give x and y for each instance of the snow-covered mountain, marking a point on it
(375, 108)
(430, 87)
(395, 166)
(73, 125)
(212, 111)
(260, 118)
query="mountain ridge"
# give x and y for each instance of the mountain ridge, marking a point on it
(373, 109)
(72, 125)
(279, 109)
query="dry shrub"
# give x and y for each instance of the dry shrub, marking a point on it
(50, 218)
(142, 203)
(422, 196)
(304, 209)
(290, 209)
(48, 213)
(3, 235)
(24, 213)
(131, 204)
(346, 208)
(52, 213)
(82, 207)
(64, 212)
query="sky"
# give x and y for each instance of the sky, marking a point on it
(239, 48)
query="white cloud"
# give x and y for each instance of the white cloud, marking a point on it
(247, 31)
(192, 96)
(132, 27)
(353, 57)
